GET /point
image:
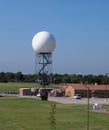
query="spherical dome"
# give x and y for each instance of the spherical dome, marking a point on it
(43, 42)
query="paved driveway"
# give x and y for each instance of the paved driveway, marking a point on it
(69, 100)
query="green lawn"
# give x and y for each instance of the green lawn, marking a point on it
(32, 114)
(14, 86)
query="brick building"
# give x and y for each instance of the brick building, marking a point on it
(24, 91)
(32, 91)
(100, 91)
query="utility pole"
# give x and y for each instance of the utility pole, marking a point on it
(106, 74)
(87, 123)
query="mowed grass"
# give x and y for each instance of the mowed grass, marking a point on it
(14, 86)
(32, 114)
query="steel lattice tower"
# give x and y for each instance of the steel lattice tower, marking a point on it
(43, 68)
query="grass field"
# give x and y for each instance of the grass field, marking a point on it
(32, 114)
(14, 86)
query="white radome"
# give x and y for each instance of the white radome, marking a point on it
(43, 42)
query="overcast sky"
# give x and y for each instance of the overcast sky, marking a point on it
(80, 28)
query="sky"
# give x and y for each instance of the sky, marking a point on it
(80, 28)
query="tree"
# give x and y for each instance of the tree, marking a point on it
(10, 77)
(74, 78)
(19, 76)
(2, 77)
(66, 79)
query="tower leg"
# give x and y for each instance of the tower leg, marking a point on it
(43, 70)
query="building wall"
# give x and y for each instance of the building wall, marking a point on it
(69, 92)
(34, 91)
(24, 91)
(101, 93)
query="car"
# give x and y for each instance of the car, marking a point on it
(77, 96)
(38, 95)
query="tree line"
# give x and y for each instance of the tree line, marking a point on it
(56, 78)
(77, 78)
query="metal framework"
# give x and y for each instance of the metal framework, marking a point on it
(43, 68)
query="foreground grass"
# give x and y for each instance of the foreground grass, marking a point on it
(33, 114)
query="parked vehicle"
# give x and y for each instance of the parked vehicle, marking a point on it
(77, 96)
(38, 95)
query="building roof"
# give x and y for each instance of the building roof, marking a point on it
(84, 87)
